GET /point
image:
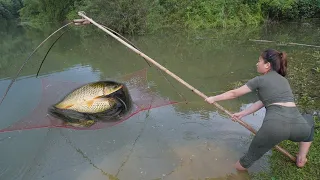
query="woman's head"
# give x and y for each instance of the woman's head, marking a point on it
(271, 59)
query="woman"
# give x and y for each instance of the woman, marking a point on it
(282, 121)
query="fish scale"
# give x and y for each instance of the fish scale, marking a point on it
(98, 105)
(85, 93)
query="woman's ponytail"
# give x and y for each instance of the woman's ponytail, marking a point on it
(278, 60)
(283, 64)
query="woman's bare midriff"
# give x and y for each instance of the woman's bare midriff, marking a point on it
(287, 104)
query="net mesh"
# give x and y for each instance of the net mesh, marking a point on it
(143, 98)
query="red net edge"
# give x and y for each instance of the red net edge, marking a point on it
(142, 99)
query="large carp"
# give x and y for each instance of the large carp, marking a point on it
(97, 101)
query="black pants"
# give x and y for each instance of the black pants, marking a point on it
(280, 123)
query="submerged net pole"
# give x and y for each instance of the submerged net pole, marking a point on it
(82, 14)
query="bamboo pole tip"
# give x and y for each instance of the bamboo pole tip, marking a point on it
(81, 13)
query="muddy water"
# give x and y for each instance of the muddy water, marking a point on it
(180, 141)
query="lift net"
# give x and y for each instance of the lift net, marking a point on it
(143, 98)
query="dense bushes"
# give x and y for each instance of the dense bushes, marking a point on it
(43, 11)
(124, 16)
(9, 9)
(135, 16)
(140, 15)
(290, 9)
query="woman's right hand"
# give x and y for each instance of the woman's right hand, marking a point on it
(238, 115)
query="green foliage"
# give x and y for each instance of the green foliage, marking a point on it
(231, 13)
(290, 9)
(9, 9)
(4, 11)
(120, 15)
(45, 11)
(139, 16)
(207, 14)
(276, 9)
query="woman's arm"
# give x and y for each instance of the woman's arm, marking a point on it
(229, 94)
(253, 108)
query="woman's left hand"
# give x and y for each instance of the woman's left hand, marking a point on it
(210, 100)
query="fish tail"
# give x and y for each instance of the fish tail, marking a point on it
(121, 108)
(109, 115)
(66, 114)
(123, 103)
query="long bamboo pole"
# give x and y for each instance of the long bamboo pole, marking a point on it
(181, 81)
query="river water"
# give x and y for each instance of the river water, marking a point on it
(179, 141)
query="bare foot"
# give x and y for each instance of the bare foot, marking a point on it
(239, 167)
(301, 161)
